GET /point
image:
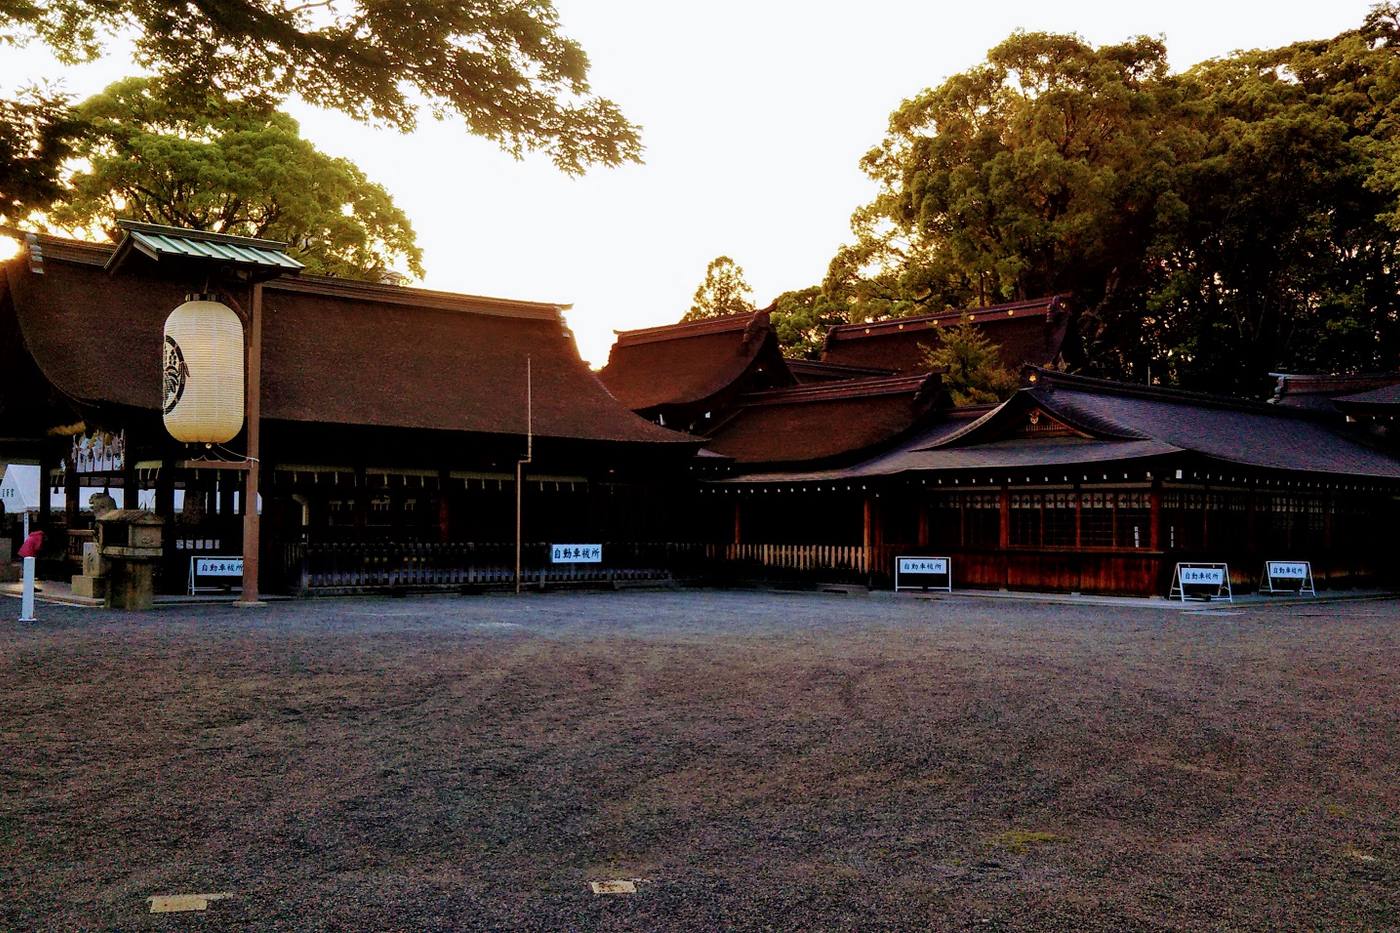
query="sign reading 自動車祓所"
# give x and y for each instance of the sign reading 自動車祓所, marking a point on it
(1295, 576)
(215, 572)
(218, 566)
(923, 573)
(576, 553)
(1202, 576)
(1205, 581)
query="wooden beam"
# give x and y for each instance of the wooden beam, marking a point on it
(252, 428)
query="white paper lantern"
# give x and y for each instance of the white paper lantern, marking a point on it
(202, 373)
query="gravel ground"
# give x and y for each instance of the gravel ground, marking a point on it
(756, 761)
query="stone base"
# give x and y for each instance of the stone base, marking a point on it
(91, 587)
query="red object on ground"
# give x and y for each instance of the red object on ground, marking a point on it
(32, 544)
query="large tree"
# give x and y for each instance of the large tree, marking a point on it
(1050, 168)
(1214, 225)
(234, 167)
(37, 133)
(500, 65)
(722, 291)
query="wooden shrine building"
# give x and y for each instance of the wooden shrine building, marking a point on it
(392, 422)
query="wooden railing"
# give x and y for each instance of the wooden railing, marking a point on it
(363, 566)
(799, 558)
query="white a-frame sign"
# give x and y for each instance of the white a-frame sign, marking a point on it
(1287, 576)
(1201, 581)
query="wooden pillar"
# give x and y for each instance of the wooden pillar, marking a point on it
(444, 521)
(1154, 535)
(46, 460)
(1004, 534)
(131, 483)
(71, 491)
(253, 428)
(165, 508)
(1078, 517)
(923, 523)
(738, 521)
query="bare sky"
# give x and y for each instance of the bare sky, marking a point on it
(754, 115)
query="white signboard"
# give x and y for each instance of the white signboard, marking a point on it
(938, 565)
(575, 553)
(923, 573)
(214, 568)
(1296, 575)
(1202, 576)
(1203, 579)
(218, 566)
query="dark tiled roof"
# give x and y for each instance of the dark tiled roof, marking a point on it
(1317, 391)
(694, 363)
(806, 371)
(1386, 397)
(1101, 422)
(821, 421)
(335, 352)
(1026, 332)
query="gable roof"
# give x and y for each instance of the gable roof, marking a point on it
(1099, 421)
(1319, 391)
(695, 362)
(1383, 399)
(334, 351)
(1026, 333)
(822, 421)
(806, 371)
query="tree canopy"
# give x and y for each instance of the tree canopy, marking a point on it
(1215, 225)
(723, 291)
(971, 366)
(37, 134)
(234, 167)
(502, 66)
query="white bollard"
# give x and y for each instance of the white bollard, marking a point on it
(26, 603)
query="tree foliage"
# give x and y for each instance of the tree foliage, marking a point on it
(802, 317)
(1214, 225)
(235, 167)
(971, 366)
(723, 291)
(37, 133)
(500, 65)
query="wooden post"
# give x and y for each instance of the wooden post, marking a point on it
(131, 484)
(923, 523)
(45, 481)
(252, 425)
(1004, 509)
(444, 506)
(1154, 535)
(1004, 535)
(738, 522)
(71, 491)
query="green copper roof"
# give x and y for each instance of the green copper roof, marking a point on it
(159, 243)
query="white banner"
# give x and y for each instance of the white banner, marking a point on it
(932, 565)
(1202, 576)
(1288, 570)
(576, 553)
(218, 566)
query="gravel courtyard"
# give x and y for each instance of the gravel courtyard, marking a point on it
(755, 761)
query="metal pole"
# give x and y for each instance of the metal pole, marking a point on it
(520, 466)
(26, 605)
(253, 402)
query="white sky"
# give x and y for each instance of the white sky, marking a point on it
(754, 117)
